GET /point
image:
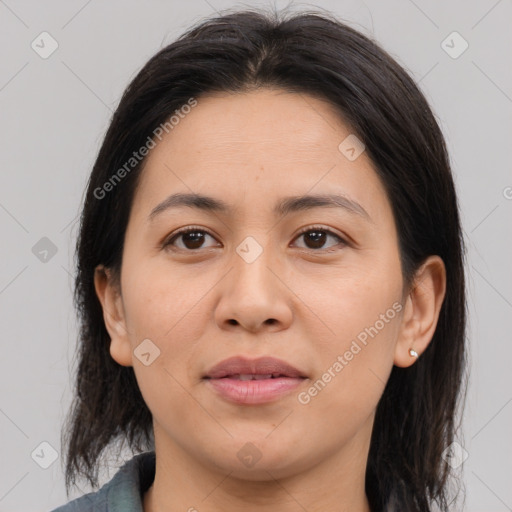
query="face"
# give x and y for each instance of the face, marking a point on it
(317, 287)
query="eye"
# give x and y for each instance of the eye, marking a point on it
(192, 238)
(317, 236)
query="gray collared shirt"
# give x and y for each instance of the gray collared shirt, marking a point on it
(123, 493)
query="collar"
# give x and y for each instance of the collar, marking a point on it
(125, 491)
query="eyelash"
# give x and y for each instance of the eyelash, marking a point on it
(193, 229)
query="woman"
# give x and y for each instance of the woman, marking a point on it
(270, 280)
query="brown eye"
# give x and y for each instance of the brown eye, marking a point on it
(191, 238)
(316, 238)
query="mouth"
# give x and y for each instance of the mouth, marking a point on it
(245, 381)
(254, 376)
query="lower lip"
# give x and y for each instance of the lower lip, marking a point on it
(254, 391)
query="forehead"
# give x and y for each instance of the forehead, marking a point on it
(258, 146)
(268, 119)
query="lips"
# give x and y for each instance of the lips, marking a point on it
(250, 382)
(256, 369)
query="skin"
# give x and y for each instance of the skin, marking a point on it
(205, 305)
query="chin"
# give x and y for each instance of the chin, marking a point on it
(260, 461)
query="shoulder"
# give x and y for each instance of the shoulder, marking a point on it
(92, 502)
(122, 493)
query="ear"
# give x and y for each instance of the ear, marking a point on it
(421, 311)
(109, 295)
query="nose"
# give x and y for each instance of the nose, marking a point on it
(255, 295)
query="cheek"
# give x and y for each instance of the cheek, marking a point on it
(349, 298)
(167, 314)
(163, 304)
(169, 308)
(352, 372)
(360, 321)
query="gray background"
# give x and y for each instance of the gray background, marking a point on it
(54, 113)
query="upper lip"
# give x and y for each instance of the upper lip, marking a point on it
(261, 366)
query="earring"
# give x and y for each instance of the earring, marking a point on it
(413, 353)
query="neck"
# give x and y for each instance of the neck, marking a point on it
(183, 483)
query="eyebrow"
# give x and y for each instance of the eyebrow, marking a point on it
(283, 207)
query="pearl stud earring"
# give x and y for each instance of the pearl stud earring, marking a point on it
(413, 353)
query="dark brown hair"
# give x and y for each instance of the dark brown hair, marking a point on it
(312, 53)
